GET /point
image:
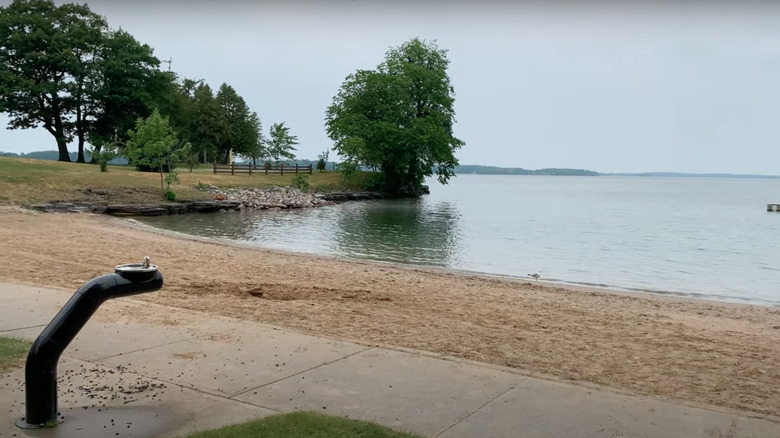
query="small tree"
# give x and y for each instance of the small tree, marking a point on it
(322, 161)
(281, 142)
(102, 155)
(153, 144)
(190, 156)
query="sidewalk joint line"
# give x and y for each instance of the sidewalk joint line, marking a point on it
(300, 372)
(733, 428)
(140, 349)
(22, 328)
(459, 420)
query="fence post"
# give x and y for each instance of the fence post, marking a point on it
(281, 169)
(215, 168)
(310, 169)
(296, 168)
(232, 168)
(266, 168)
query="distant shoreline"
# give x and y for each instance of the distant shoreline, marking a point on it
(479, 169)
(508, 171)
(694, 175)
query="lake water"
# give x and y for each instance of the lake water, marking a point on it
(701, 237)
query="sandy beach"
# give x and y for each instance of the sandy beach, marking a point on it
(695, 351)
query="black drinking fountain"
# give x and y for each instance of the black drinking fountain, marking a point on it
(40, 372)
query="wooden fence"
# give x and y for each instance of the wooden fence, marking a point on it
(250, 169)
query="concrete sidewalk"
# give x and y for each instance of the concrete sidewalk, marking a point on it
(142, 370)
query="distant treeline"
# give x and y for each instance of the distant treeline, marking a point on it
(695, 175)
(493, 170)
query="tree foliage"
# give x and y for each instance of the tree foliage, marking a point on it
(399, 117)
(129, 85)
(205, 124)
(322, 161)
(153, 144)
(281, 143)
(43, 52)
(258, 151)
(62, 68)
(240, 126)
(106, 153)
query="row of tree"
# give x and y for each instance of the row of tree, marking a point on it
(216, 124)
(64, 69)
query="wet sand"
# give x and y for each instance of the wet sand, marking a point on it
(695, 351)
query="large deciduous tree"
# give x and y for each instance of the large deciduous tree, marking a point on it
(129, 85)
(399, 118)
(46, 54)
(62, 68)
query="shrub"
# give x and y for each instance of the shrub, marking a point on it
(301, 182)
(104, 155)
(169, 195)
(375, 183)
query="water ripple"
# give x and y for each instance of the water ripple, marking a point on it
(689, 237)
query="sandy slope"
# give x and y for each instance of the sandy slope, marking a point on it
(696, 351)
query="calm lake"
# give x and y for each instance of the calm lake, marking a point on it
(701, 237)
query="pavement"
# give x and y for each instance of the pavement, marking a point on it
(144, 370)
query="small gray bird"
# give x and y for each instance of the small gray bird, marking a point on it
(535, 276)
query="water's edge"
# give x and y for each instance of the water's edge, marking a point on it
(551, 282)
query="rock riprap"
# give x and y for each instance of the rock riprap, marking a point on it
(269, 197)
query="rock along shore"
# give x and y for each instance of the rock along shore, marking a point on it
(225, 199)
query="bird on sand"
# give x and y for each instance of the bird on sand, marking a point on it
(535, 276)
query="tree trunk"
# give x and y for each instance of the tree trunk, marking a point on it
(58, 131)
(62, 146)
(80, 158)
(80, 131)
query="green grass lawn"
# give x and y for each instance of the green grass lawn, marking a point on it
(303, 424)
(12, 352)
(24, 180)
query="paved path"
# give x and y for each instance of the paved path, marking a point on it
(141, 370)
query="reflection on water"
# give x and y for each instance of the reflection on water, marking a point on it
(402, 231)
(689, 236)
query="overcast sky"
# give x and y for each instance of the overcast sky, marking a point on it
(607, 86)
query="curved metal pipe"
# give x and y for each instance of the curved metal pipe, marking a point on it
(41, 368)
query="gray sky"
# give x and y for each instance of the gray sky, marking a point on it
(607, 86)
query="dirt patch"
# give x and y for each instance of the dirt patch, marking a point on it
(292, 292)
(189, 355)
